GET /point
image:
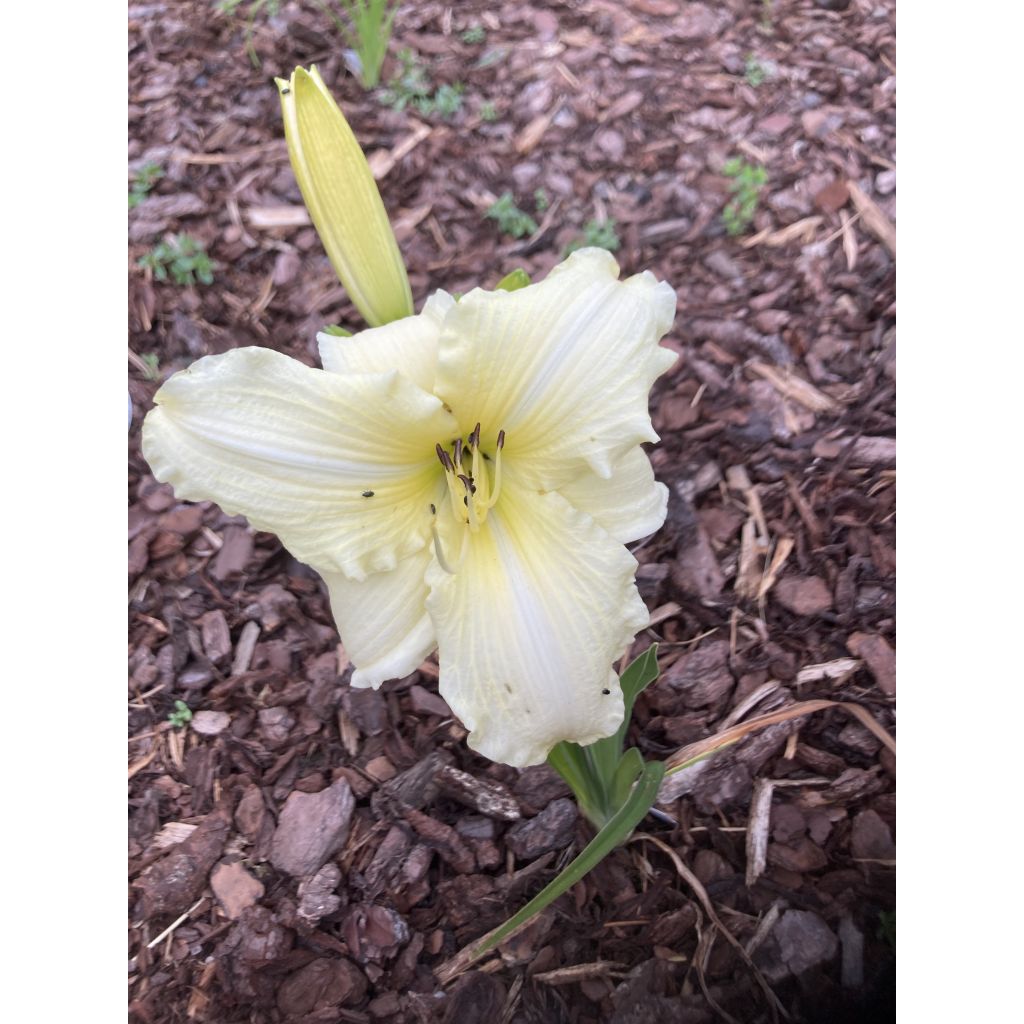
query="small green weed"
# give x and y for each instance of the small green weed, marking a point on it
(511, 220)
(747, 181)
(183, 258)
(599, 234)
(253, 10)
(488, 111)
(540, 200)
(151, 362)
(366, 29)
(181, 715)
(411, 86)
(474, 36)
(446, 101)
(145, 178)
(755, 72)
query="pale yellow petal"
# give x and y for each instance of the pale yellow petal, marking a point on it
(341, 468)
(408, 345)
(529, 626)
(564, 367)
(343, 200)
(383, 620)
(629, 505)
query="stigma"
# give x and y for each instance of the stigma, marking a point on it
(473, 486)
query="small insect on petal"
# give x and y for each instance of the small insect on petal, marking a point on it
(367, 494)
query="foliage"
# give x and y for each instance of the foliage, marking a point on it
(511, 220)
(599, 234)
(412, 86)
(254, 8)
(145, 178)
(366, 29)
(747, 181)
(151, 362)
(540, 200)
(447, 101)
(183, 257)
(488, 111)
(181, 715)
(755, 72)
(475, 35)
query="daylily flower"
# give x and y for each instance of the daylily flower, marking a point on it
(465, 479)
(343, 199)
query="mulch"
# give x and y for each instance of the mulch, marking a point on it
(323, 852)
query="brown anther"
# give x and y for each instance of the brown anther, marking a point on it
(458, 452)
(468, 481)
(446, 459)
(474, 438)
(501, 439)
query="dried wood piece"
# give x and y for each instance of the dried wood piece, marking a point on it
(487, 797)
(245, 647)
(788, 383)
(873, 218)
(757, 830)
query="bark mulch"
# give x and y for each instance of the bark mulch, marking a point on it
(322, 851)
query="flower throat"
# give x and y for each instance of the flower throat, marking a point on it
(471, 488)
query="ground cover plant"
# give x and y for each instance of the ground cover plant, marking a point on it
(770, 585)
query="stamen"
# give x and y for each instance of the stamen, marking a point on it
(446, 459)
(458, 453)
(493, 500)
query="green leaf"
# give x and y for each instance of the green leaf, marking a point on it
(615, 832)
(630, 767)
(336, 332)
(732, 167)
(640, 673)
(513, 281)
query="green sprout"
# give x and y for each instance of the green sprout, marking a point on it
(183, 258)
(366, 29)
(488, 111)
(540, 200)
(411, 83)
(475, 35)
(151, 362)
(254, 8)
(447, 101)
(747, 181)
(511, 220)
(596, 234)
(181, 715)
(411, 86)
(755, 72)
(145, 178)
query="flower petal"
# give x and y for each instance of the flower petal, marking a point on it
(340, 468)
(343, 200)
(383, 620)
(564, 367)
(528, 627)
(629, 505)
(408, 345)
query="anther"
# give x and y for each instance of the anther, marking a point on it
(458, 453)
(501, 439)
(433, 509)
(474, 438)
(446, 459)
(468, 481)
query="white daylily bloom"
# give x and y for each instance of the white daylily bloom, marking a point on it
(464, 480)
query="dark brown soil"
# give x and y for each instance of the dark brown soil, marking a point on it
(778, 433)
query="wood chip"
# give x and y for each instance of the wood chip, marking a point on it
(873, 217)
(757, 830)
(277, 216)
(787, 383)
(245, 647)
